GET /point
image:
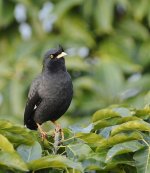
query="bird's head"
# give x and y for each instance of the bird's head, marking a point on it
(54, 58)
(54, 54)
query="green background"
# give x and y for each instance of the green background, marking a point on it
(108, 43)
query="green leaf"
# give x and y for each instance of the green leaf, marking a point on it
(90, 138)
(65, 5)
(6, 13)
(12, 160)
(134, 29)
(106, 132)
(124, 112)
(120, 160)
(112, 121)
(79, 151)
(16, 133)
(122, 148)
(144, 56)
(78, 64)
(142, 160)
(140, 9)
(95, 161)
(91, 164)
(5, 145)
(104, 114)
(77, 31)
(106, 74)
(131, 125)
(116, 139)
(54, 161)
(29, 153)
(142, 113)
(104, 8)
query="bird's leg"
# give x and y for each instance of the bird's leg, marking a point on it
(58, 130)
(42, 132)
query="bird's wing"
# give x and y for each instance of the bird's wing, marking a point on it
(32, 102)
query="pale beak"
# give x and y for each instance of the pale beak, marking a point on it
(62, 54)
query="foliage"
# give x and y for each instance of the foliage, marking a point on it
(107, 41)
(119, 146)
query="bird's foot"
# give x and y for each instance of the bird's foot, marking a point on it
(43, 135)
(58, 133)
(42, 132)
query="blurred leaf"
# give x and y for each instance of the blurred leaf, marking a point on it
(142, 160)
(77, 30)
(131, 125)
(5, 145)
(15, 96)
(122, 148)
(29, 153)
(85, 83)
(144, 56)
(104, 16)
(134, 29)
(140, 9)
(6, 13)
(12, 161)
(106, 74)
(77, 64)
(65, 5)
(88, 9)
(54, 161)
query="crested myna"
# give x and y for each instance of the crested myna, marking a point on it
(50, 93)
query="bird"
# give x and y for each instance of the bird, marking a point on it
(50, 93)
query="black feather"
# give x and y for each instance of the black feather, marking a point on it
(51, 92)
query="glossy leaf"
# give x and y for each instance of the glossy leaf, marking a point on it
(125, 147)
(113, 121)
(142, 160)
(116, 139)
(131, 125)
(79, 151)
(29, 153)
(91, 139)
(16, 133)
(142, 113)
(12, 160)
(124, 112)
(54, 161)
(104, 114)
(5, 145)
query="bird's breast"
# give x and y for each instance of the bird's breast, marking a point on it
(56, 87)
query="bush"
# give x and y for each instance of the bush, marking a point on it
(116, 141)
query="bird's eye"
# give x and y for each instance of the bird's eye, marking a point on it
(51, 56)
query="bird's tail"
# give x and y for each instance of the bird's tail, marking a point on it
(30, 124)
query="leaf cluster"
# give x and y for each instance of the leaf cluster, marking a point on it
(116, 141)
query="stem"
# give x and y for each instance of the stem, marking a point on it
(68, 139)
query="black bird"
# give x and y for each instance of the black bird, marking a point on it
(50, 93)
